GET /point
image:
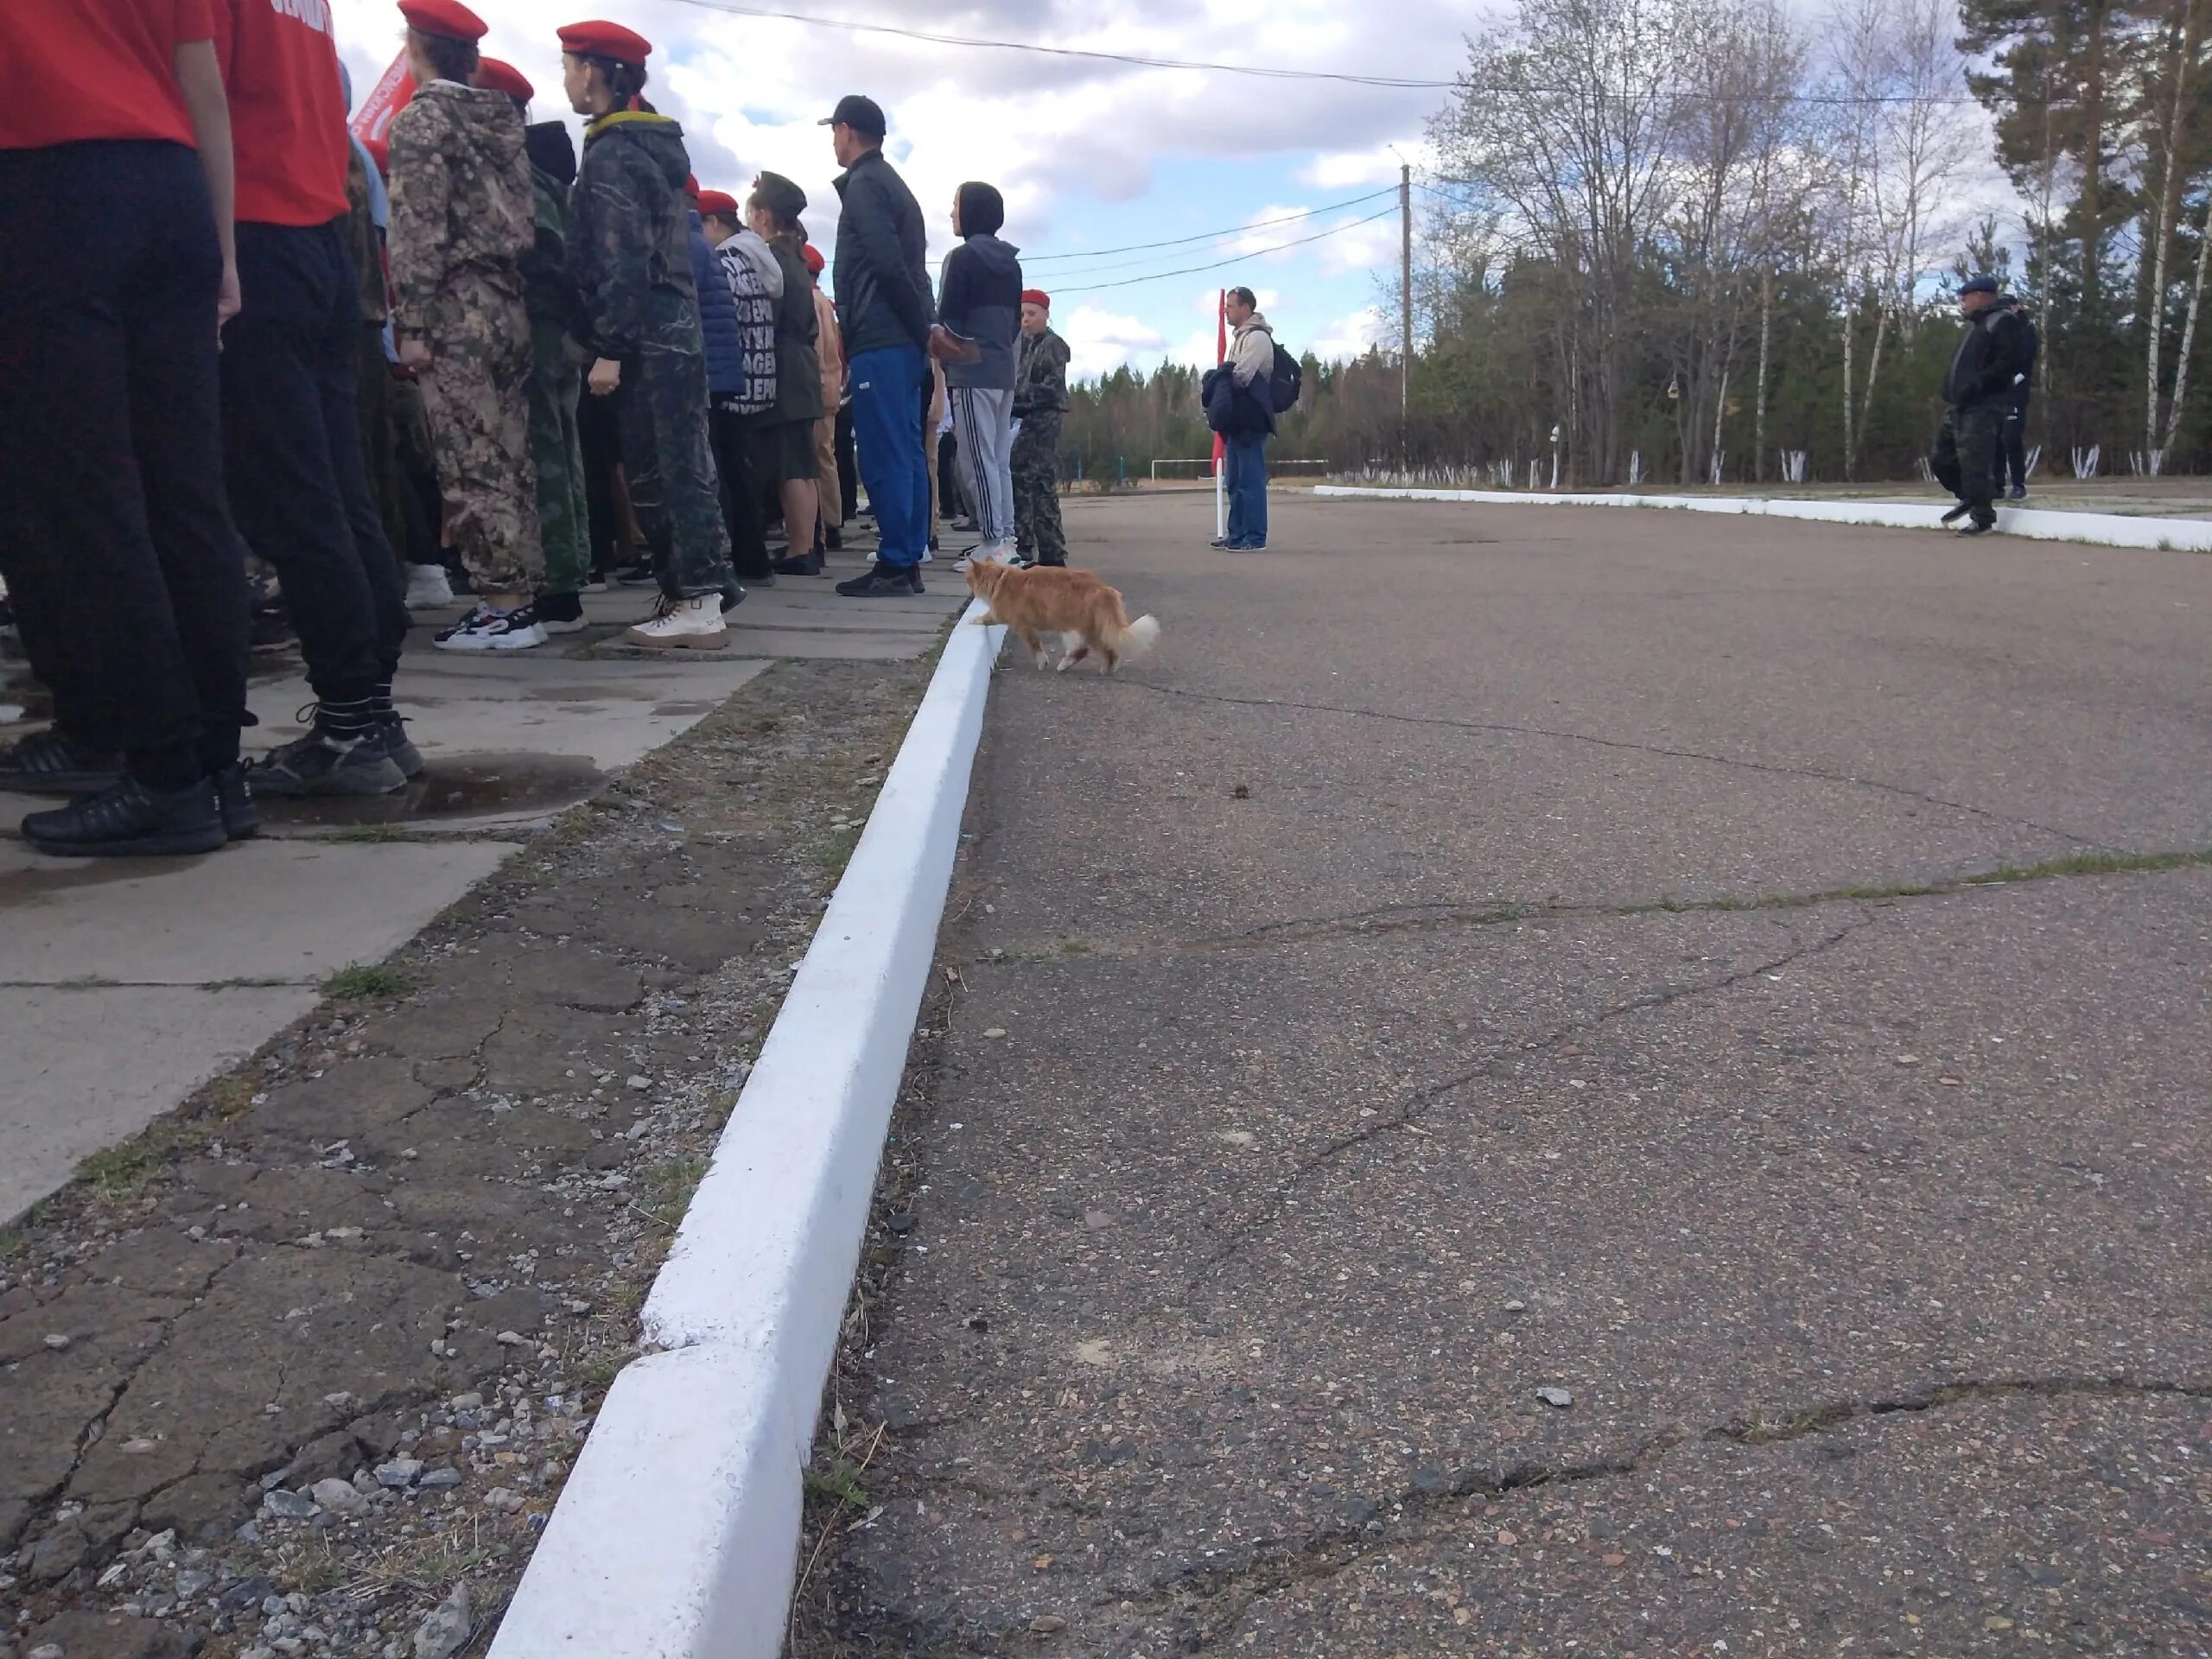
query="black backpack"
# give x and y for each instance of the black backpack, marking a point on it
(1285, 380)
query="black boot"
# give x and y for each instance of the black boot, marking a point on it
(129, 820)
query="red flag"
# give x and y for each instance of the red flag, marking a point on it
(1221, 355)
(372, 123)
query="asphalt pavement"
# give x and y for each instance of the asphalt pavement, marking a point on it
(1543, 1079)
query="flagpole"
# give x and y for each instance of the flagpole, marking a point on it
(1221, 355)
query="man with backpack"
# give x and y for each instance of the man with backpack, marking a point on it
(1261, 382)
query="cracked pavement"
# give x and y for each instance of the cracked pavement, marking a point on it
(324, 1345)
(1751, 985)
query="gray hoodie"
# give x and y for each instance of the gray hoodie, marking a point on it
(980, 298)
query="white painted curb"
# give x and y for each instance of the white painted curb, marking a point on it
(2101, 529)
(677, 1533)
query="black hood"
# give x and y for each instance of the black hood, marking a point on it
(551, 149)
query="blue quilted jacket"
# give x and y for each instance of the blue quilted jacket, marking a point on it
(717, 317)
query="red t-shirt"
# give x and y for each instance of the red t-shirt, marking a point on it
(288, 111)
(79, 69)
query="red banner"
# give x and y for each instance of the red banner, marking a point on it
(372, 123)
(1221, 355)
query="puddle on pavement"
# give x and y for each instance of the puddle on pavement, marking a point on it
(41, 883)
(456, 786)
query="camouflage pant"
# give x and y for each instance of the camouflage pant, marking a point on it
(666, 457)
(564, 512)
(1037, 489)
(477, 393)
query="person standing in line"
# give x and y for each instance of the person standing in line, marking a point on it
(783, 445)
(116, 260)
(748, 276)
(883, 294)
(721, 335)
(980, 301)
(1248, 422)
(2012, 436)
(463, 216)
(291, 422)
(1040, 399)
(1978, 389)
(829, 350)
(639, 321)
(556, 382)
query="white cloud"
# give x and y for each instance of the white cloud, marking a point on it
(1350, 170)
(1350, 335)
(1100, 341)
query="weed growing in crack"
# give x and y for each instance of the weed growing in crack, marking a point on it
(360, 981)
(665, 1191)
(121, 1172)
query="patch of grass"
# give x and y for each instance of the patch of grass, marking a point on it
(225, 1097)
(665, 1192)
(370, 832)
(599, 1370)
(360, 981)
(838, 1481)
(13, 1244)
(121, 1172)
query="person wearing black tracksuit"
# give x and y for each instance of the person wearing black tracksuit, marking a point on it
(2012, 437)
(1992, 360)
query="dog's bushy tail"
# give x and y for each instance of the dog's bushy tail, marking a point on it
(1138, 637)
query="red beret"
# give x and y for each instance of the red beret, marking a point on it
(691, 186)
(602, 39)
(446, 17)
(499, 77)
(1036, 296)
(720, 203)
(812, 255)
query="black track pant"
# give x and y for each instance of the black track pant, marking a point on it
(117, 542)
(292, 450)
(1964, 460)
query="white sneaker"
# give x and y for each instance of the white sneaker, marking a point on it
(981, 555)
(427, 588)
(682, 625)
(485, 629)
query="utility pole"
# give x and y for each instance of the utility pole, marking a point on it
(1405, 315)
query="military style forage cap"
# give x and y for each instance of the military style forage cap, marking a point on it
(780, 195)
(504, 78)
(604, 40)
(446, 17)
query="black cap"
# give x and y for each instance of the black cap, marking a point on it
(863, 115)
(1978, 285)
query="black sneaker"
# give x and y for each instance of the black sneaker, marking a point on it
(129, 820)
(806, 564)
(637, 574)
(234, 803)
(1955, 514)
(392, 730)
(269, 630)
(559, 612)
(2017, 493)
(884, 582)
(53, 763)
(322, 763)
(1978, 528)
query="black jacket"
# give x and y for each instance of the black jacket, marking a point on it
(1996, 348)
(629, 240)
(981, 300)
(798, 361)
(882, 270)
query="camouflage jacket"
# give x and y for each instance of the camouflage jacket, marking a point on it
(629, 240)
(462, 213)
(1040, 382)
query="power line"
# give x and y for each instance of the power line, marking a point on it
(1205, 235)
(1136, 61)
(1234, 259)
(1398, 83)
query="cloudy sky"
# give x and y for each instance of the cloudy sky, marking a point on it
(1093, 157)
